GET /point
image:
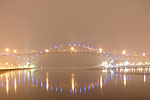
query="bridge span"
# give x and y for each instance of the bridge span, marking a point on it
(109, 59)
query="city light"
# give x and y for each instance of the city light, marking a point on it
(15, 51)
(106, 63)
(72, 49)
(6, 63)
(46, 50)
(7, 49)
(100, 50)
(144, 54)
(124, 52)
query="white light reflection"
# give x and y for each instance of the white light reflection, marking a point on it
(2, 84)
(101, 82)
(15, 85)
(47, 84)
(7, 83)
(37, 81)
(72, 83)
(144, 78)
(41, 83)
(125, 81)
(28, 77)
(24, 79)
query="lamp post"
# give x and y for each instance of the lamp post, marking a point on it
(124, 52)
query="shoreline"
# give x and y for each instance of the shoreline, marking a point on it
(11, 69)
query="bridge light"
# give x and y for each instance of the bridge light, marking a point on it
(15, 51)
(6, 63)
(2, 53)
(144, 54)
(46, 50)
(18, 57)
(55, 46)
(100, 50)
(124, 52)
(7, 50)
(69, 45)
(72, 48)
(41, 52)
(84, 45)
(60, 45)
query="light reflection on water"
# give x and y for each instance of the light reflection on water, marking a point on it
(70, 82)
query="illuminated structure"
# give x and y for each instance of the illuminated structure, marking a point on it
(123, 59)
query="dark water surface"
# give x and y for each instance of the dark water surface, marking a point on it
(54, 84)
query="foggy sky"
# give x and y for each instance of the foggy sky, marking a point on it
(110, 24)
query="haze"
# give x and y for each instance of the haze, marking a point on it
(110, 24)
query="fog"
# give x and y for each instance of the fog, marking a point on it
(110, 24)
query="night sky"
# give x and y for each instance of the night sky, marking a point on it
(110, 24)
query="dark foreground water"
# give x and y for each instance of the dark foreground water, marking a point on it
(79, 84)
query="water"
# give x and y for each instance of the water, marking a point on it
(79, 84)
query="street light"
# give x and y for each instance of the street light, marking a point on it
(100, 50)
(144, 54)
(6, 63)
(7, 50)
(15, 51)
(72, 48)
(124, 52)
(46, 50)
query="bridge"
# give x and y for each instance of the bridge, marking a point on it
(110, 59)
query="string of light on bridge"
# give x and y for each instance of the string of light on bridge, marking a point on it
(70, 48)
